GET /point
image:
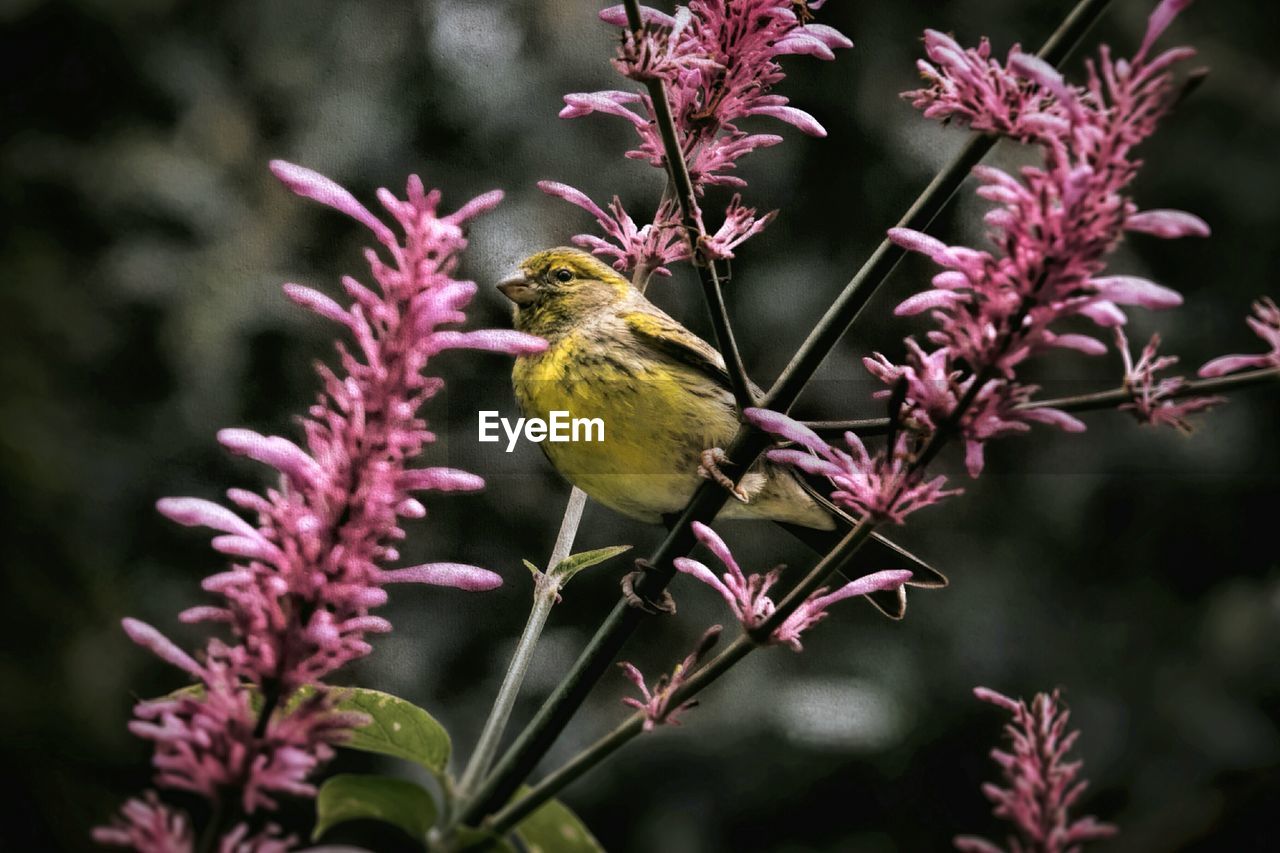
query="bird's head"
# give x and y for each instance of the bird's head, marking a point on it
(557, 289)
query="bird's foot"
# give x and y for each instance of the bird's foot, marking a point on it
(666, 605)
(710, 469)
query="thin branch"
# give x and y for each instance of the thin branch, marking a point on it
(691, 219)
(536, 738)
(1090, 402)
(544, 598)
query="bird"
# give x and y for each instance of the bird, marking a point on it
(666, 402)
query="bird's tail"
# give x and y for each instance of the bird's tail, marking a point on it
(877, 554)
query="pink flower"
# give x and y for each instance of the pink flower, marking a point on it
(1041, 786)
(1265, 323)
(1052, 228)
(1150, 398)
(308, 569)
(656, 704)
(718, 63)
(885, 486)
(148, 826)
(747, 595)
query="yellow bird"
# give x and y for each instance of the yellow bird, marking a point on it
(662, 393)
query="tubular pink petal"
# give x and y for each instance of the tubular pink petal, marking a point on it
(617, 15)
(787, 428)
(1161, 17)
(1134, 290)
(573, 196)
(440, 480)
(715, 545)
(699, 571)
(925, 301)
(917, 241)
(317, 187)
(249, 547)
(163, 648)
(1055, 417)
(458, 575)
(874, 582)
(986, 694)
(480, 204)
(1105, 314)
(317, 302)
(806, 462)
(1080, 343)
(1169, 224)
(279, 453)
(1231, 363)
(506, 341)
(197, 512)
(792, 116)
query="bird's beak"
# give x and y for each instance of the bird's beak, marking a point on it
(517, 288)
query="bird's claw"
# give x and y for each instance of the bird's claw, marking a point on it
(666, 605)
(710, 469)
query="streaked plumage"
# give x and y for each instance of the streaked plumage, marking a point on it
(661, 390)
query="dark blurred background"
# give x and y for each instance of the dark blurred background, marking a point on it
(143, 245)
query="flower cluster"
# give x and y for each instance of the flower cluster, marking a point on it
(307, 572)
(748, 596)
(1053, 227)
(1152, 400)
(1265, 323)
(1041, 782)
(718, 63)
(656, 704)
(884, 486)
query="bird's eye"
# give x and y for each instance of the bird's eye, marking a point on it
(563, 275)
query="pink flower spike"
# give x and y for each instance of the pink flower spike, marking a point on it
(163, 648)
(1169, 224)
(317, 187)
(197, 512)
(1040, 783)
(457, 575)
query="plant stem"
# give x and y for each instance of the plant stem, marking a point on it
(536, 738)
(505, 819)
(691, 220)
(546, 590)
(1090, 402)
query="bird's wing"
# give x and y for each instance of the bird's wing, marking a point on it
(663, 334)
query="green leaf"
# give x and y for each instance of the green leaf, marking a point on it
(352, 796)
(555, 829)
(574, 563)
(533, 570)
(397, 728)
